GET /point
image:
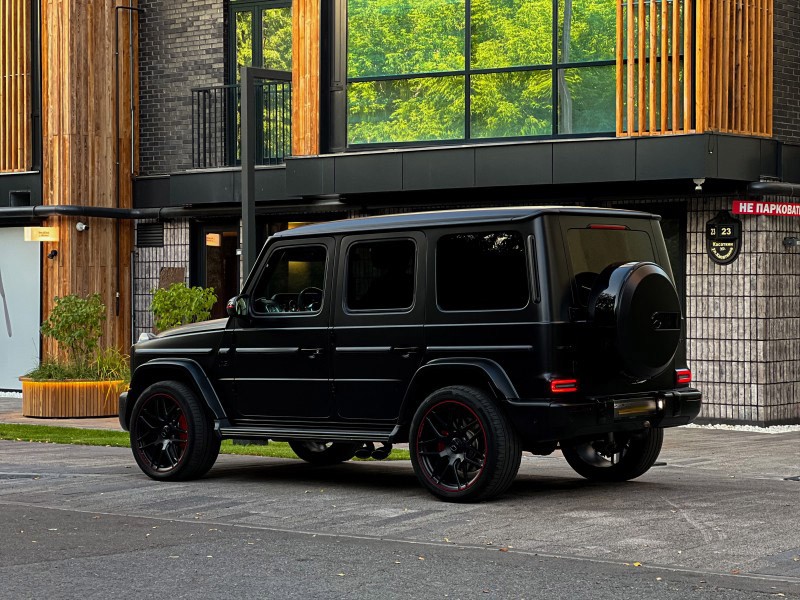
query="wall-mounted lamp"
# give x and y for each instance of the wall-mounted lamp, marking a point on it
(52, 254)
(81, 226)
(791, 242)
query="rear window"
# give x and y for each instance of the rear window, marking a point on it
(481, 271)
(592, 250)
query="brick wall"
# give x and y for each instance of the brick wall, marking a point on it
(181, 46)
(786, 119)
(147, 268)
(743, 321)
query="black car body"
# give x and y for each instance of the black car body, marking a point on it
(473, 335)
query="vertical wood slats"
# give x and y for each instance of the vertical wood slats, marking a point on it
(80, 108)
(709, 65)
(15, 86)
(656, 35)
(305, 77)
(734, 70)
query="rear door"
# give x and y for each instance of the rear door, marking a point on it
(378, 323)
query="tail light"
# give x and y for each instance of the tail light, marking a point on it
(563, 386)
(683, 376)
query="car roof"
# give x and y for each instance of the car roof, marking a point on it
(445, 218)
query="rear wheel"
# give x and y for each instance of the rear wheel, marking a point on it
(462, 446)
(324, 454)
(619, 458)
(171, 437)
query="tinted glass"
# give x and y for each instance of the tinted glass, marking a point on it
(391, 37)
(592, 250)
(244, 41)
(481, 271)
(293, 281)
(406, 110)
(587, 30)
(587, 100)
(276, 39)
(512, 104)
(380, 275)
(511, 33)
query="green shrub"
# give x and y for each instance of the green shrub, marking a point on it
(76, 324)
(179, 305)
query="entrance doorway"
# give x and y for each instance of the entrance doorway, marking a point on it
(217, 262)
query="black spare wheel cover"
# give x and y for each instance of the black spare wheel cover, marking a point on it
(638, 305)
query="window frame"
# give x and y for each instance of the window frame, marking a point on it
(326, 284)
(346, 276)
(554, 67)
(529, 272)
(256, 9)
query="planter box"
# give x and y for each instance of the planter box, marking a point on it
(71, 398)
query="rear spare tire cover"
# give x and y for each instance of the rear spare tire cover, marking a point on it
(637, 304)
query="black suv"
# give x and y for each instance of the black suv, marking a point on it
(473, 335)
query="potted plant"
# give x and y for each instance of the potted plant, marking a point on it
(83, 380)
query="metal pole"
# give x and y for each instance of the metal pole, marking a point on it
(249, 250)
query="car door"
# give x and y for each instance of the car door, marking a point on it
(281, 351)
(378, 323)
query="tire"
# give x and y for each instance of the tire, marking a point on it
(172, 438)
(462, 446)
(636, 308)
(629, 457)
(324, 454)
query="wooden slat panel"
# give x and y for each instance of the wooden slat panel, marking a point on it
(79, 152)
(620, 103)
(15, 81)
(727, 67)
(641, 88)
(305, 77)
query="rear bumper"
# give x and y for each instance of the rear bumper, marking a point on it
(123, 410)
(552, 420)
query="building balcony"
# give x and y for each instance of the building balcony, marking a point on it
(216, 124)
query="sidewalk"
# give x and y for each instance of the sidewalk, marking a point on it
(11, 412)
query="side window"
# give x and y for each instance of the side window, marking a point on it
(380, 275)
(481, 271)
(293, 281)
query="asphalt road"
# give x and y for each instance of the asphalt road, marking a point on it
(717, 520)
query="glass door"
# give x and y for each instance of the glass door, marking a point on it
(218, 266)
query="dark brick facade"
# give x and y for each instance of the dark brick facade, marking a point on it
(787, 71)
(181, 46)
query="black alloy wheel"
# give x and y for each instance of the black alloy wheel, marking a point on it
(462, 447)
(323, 453)
(171, 437)
(618, 458)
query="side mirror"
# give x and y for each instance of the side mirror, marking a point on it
(237, 306)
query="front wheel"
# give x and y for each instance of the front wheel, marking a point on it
(618, 458)
(324, 454)
(462, 446)
(171, 437)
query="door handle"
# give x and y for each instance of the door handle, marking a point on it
(405, 351)
(311, 352)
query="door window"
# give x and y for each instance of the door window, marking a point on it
(380, 275)
(293, 281)
(220, 265)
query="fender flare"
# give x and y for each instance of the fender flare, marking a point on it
(142, 377)
(483, 367)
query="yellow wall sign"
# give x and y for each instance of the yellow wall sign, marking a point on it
(41, 234)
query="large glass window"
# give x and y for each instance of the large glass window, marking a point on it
(261, 35)
(481, 271)
(427, 70)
